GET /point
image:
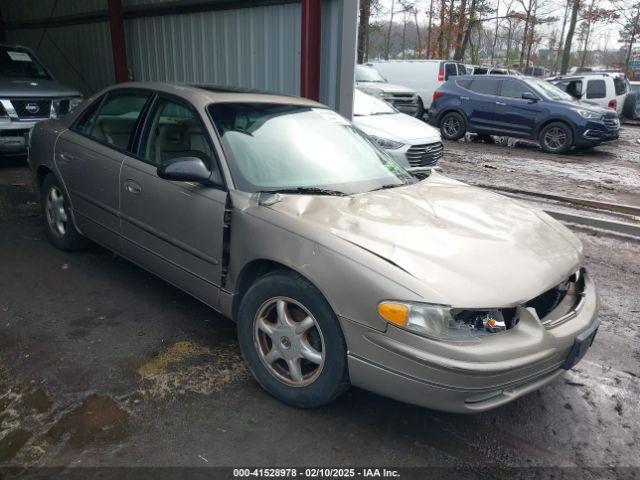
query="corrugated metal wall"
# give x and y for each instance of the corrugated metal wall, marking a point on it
(78, 55)
(250, 47)
(254, 47)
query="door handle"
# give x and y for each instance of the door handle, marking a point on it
(464, 98)
(132, 187)
(501, 103)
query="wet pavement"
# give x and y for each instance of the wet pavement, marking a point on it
(103, 364)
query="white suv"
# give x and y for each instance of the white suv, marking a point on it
(604, 89)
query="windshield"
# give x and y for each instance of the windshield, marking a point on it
(368, 74)
(283, 147)
(19, 63)
(364, 104)
(548, 90)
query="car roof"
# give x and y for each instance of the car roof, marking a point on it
(205, 94)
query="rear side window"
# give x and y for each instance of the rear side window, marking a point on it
(480, 71)
(620, 85)
(484, 86)
(596, 89)
(513, 89)
(464, 83)
(450, 70)
(462, 69)
(115, 121)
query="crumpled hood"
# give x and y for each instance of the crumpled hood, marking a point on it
(470, 247)
(397, 126)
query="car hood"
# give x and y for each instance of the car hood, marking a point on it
(469, 247)
(396, 126)
(384, 87)
(21, 87)
(587, 106)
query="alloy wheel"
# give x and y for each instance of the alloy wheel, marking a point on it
(56, 214)
(451, 126)
(555, 138)
(289, 341)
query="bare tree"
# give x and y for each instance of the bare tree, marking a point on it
(429, 29)
(388, 45)
(363, 31)
(566, 54)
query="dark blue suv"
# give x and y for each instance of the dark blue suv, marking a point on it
(520, 107)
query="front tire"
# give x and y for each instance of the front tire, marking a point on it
(556, 137)
(292, 341)
(56, 213)
(453, 126)
(420, 112)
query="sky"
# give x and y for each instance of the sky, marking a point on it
(604, 34)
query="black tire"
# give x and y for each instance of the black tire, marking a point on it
(61, 233)
(420, 112)
(325, 383)
(453, 126)
(485, 138)
(631, 107)
(557, 137)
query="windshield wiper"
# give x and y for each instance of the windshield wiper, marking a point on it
(388, 186)
(306, 191)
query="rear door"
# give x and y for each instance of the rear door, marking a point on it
(513, 113)
(479, 105)
(174, 229)
(596, 92)
(89, 156)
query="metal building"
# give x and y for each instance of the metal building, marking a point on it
(296, 47)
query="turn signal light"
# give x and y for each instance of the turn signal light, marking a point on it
(397, 313)
(613, 103)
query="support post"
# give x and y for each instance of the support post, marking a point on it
(311, 47)
(116, 26)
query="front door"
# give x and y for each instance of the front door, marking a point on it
(513, 113)
(89, 157)
(174, 229)
(480, 103)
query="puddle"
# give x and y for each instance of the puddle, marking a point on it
(98, 419)
(12, 442)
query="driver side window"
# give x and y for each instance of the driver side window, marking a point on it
(175, 131)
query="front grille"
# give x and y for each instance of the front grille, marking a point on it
(611, 122)
(425, 155)
(32, 108)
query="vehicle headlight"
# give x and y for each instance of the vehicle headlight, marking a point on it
(446, 323)
(386, 143)
(74, 102)
(589, 114)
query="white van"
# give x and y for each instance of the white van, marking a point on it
(423, 76)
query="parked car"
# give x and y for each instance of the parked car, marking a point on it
(338, 266)
(411, 142)
(493, 71)
(422, 76)
(28, 93)
(404, 99)
(604, 89)
(522, 107)
(539, 72)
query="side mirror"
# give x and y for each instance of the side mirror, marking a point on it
(529, 96)
(184, 169)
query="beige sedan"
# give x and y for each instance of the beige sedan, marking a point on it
(339, 267)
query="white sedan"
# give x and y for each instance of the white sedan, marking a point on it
(411, 142)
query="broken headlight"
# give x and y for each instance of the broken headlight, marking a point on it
(446, 323)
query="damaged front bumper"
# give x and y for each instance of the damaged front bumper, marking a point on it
(474, 377)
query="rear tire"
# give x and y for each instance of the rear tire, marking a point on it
(556, 137)
(420, 112)
(56, 213)
(453, 126)
(631, 108)
(292, 341)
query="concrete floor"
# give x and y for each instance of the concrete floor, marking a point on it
(102, 364)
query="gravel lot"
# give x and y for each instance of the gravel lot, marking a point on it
(102, 364)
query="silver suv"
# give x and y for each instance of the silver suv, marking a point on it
(28, 94)
(369, 80)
